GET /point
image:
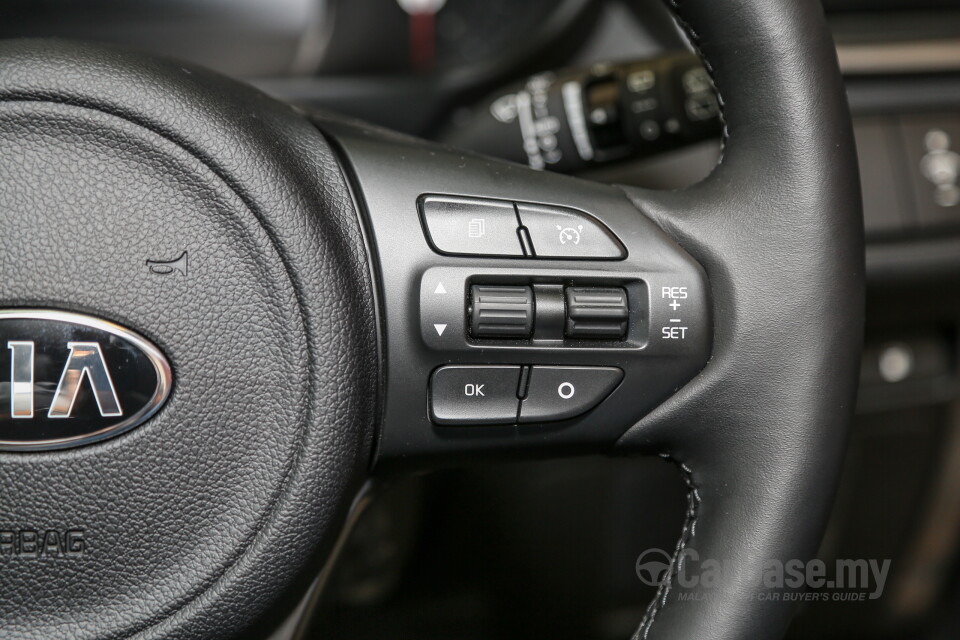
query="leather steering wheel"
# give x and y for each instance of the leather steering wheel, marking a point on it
(304, 337)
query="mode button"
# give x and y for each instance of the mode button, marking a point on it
(471, 226)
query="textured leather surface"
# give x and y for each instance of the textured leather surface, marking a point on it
(760, 433)
(198, 520)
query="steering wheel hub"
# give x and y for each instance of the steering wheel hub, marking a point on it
(141, 193)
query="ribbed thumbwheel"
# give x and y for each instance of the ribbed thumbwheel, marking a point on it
(596, 313)
(501, 312)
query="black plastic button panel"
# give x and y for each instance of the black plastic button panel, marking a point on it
(464, 226)
(484, 395)
(461, 312)
(425, 274)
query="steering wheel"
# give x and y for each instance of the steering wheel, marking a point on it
(284, 304)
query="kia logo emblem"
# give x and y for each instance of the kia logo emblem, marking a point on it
(68, 379)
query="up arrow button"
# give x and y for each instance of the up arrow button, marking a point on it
(442, 321)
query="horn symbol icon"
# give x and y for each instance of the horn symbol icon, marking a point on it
(166, 267)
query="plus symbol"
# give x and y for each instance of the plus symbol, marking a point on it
(673, 305)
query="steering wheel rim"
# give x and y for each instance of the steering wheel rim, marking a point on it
(776, 229)
(759, 435)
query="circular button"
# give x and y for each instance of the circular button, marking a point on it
(566, 390)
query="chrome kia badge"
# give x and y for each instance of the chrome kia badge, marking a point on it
(68, 379)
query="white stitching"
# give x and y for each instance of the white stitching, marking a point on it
(686, 534)
(695, 41)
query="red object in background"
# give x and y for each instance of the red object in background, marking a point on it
(421, 41)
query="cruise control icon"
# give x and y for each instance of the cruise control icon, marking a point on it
(569, 234)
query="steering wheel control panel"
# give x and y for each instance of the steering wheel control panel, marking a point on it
(519, 229)
(461, 309)
(473, 395)
(519, 309)
(494, 312)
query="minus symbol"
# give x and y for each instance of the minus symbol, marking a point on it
(675, 320)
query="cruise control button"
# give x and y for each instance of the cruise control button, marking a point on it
(471, 226)
(558, 232)
(466, 395)
(558, 393)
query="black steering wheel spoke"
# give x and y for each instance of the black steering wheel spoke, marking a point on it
(521, 311)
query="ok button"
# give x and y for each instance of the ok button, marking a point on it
(467, 395)
(474, 390)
